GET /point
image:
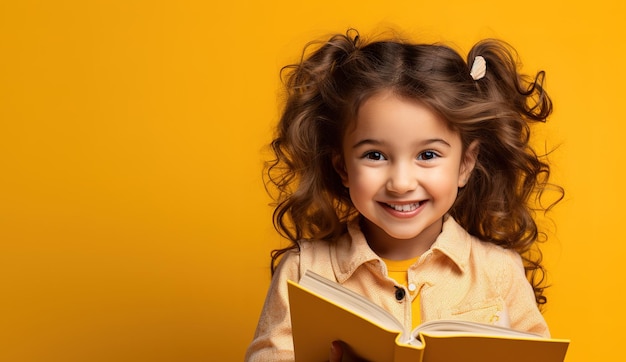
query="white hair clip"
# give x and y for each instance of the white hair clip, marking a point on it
(479, 68)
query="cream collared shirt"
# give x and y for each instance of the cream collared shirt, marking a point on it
(460, 277)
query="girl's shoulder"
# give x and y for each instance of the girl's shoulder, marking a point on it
(307, 254)
(466, 249)
(316, 255)
(495, 254)
(496, 263)
(313, 246)
(332, 259)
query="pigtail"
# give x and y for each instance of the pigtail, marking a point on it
(310, 199)
(502, 80)
(311, 74)
(510, 178)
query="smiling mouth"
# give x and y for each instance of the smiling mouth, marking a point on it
(405, 207)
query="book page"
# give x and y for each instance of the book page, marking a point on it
(352, 301)
(457, 327)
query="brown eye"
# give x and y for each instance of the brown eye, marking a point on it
(374, 155)
(427, 155)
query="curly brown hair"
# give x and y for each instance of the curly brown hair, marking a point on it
(333, 79)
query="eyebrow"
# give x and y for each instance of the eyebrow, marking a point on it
(374, 142)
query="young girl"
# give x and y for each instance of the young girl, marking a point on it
(405, 174)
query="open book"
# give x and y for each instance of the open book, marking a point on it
(323, 311)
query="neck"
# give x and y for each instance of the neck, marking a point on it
(392, 248)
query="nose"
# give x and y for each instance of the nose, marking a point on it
(402, 178)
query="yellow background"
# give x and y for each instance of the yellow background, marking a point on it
(133, 221)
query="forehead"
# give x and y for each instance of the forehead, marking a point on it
(389, 115)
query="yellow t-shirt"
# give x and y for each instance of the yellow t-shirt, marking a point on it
(398, 271)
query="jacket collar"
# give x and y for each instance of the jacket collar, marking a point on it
(453, 242)
(352, 250)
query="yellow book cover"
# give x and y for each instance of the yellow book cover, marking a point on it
(323, 311)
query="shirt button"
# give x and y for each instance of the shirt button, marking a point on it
(412, 287)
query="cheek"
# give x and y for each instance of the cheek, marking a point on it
(443, 180)
(356, 177)
(363, 180)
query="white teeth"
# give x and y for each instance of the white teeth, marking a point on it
(405, 207)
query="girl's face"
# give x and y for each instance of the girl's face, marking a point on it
(403, 167)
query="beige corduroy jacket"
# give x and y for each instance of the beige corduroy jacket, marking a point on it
(460, 277)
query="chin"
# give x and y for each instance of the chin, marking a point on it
(402, 235)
